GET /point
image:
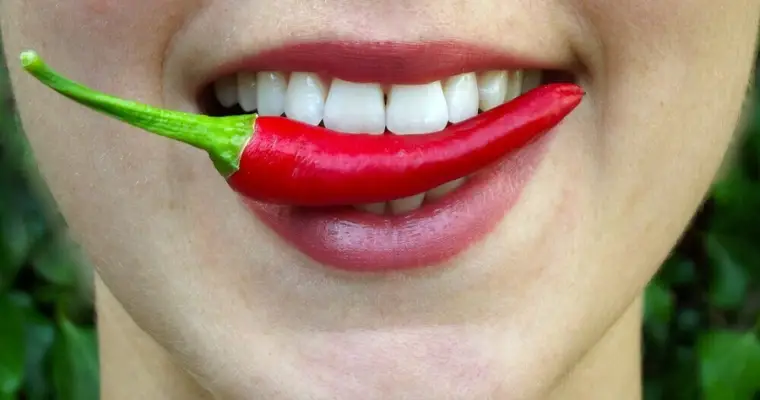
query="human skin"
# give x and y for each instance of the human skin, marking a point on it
(196, 296)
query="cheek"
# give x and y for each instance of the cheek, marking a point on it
(116, 46)
(100, 7)
(112, 26)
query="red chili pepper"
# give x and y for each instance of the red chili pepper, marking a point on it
(283, 161)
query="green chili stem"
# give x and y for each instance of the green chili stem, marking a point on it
(224, 138)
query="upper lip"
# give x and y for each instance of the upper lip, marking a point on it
(377, 62)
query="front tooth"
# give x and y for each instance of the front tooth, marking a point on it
(355, 107)
(305, 99)
(461, 92)
(514, 84)
(270, 93)
(492, 89)
(226, 91)
(246, 87)
(416, 109)
(446, 188)
(407, 204)
(531, 80)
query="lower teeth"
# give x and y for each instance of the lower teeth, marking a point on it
(411, 203)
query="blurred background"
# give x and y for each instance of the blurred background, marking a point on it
(701, 333)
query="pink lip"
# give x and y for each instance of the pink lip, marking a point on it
(378, 62)
(355, 241)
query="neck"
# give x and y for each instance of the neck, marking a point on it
(134, 366)
(612, 368)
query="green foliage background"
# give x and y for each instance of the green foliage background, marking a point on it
(702, 309)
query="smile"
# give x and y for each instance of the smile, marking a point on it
(374, 108)
(365, 157)
(388, 89)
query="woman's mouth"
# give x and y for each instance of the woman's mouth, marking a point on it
(397, 175)
(376, 108)
(424, 229)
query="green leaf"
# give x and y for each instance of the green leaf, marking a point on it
(735, 191)
(11, 345)
(75, 363)
(729, 365)
(658, 303)
(756, 141)
(13, 247)
(730, 280)
(678, 270)
(688, 320)
(683, 378)
(22, 300)
(653, 390)
(658, 309)
(736, 198)
(56, 261)
(40, 333)
(753, 137)
(21, 227)
(744, 250)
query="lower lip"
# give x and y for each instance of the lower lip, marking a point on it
(355, 241)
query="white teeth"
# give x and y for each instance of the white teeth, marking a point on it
(407, 204)
(246, 91)
(461, 93)
(373, 208)
(305, 98)
(226, 91)
(492, 89)
(531, 80)
(355, 107)
(411, 203)
(358, 107)
(270, 92)
(514, 84)
(361, 108)
(416, 109)
(445, 189)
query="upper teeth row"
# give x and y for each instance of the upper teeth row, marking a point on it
(361, 107)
